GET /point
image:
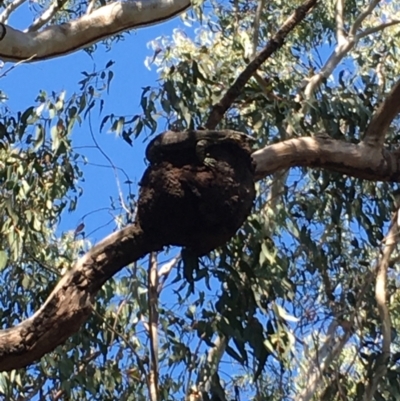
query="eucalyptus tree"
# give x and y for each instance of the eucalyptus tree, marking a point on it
(302, 303)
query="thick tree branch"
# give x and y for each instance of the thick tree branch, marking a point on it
(70, 303)
(218, 110)
(355, 160)
(382, 118)
(66, 38)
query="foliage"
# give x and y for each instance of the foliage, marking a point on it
(300, 267)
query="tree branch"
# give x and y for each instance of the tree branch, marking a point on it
(377, 28)
(345, 43)
(340, 35)
(355, 160)
(46, 16)
(70, 303)
(152, 296)
(341, 50)
(66, 38)
(331, 346)
(380, 367)
(218, 110)
(256, 26)
(382, 118)
(207, 380)
(330, 349)
(9, 9)
(360, 19)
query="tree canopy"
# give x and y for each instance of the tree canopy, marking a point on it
(302, 302)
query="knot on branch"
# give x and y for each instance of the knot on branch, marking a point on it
(198, 188)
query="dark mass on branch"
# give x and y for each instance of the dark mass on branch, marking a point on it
(194, 202)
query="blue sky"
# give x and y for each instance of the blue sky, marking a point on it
(23, 84)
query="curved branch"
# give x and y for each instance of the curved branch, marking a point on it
(360, 19)
(345, 43)
(58, 40)
(381, 296)
(382, 118)
(70, 303)
(355, 160)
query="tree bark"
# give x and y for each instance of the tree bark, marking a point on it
(59, 40)
(355, 160)
(70, 303)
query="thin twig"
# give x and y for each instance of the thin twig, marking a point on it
(192, 365)
(153, 322)
(117, 313)
(112, 165)
(82, 365)
(256, 26)
(264, 84)
(139, 361)
(218, 110)
(2, 75)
